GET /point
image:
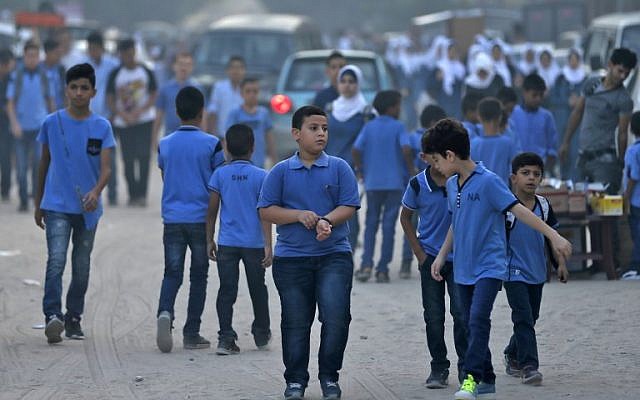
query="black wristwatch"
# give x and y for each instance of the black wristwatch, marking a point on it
(326, 219)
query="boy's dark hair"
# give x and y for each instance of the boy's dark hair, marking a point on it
(251, 79)
(635, 123)
(386, 99)
(50, 45)
(6, 55)
(506, 95)
(625, 57)
(447, 135)
(239, 139)
(189, 103)
(489, 109)
(80, 71)
(31, 45)
(534, 82)
(233, 59)
(430, 114)
(524, 159)
(470, 102)
(304, 112)
(334, 54)
(95, 37)
(126, 44)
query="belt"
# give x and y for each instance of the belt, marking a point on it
(588, 155)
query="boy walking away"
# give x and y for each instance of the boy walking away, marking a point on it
(534, 125)
(310, 197)
(73, 171)
(426, 196)
(187, 158)
(7, 63)
(237, 187)
(478, 201)
(258, 119)
(225, 96)
(383, 138)
(527, 271)
(494, 149)
(632, 197)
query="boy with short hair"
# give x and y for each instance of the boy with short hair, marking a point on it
(225, 96)
(333, 65)
(470, 114)
(383, 138)
(256, 117)
(527, 269)
(73, 171)
(478, 201)
(186, 158)
(632, 196)
(237, 187)
(310, 197)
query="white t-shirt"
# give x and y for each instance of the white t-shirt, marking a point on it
(131, 88)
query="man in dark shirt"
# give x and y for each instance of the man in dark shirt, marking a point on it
(7, 63)
(334, 63)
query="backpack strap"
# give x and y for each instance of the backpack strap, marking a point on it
(544, 206)
(44, 83)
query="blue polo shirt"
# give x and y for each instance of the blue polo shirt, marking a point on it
(260, 123)
(75, 160)
(496, 153)
(632, 171)
(31, 106)
(430, 201)
(238, 184)
(473, 130)
(166, 101)
(527, 259)
(478, 208)
(536, 131)
(187, 158)
(415, 140)
(381, 141)
(327, 184)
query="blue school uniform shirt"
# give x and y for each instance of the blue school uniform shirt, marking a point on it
(632, 171)
(187, 158)
(238, 183)
(478, 210)
(496, 153)
(527, 257)
(166, 101)
(75, 161)
(342, 135)
(473, 130)
(260, 123)
(327, 184)
(381, 141)
(536, 131)
(31, 105)
(56, 83)
(415, 141)
(430, 201)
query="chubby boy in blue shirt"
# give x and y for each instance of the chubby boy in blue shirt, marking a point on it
(310, 197)
(478, 201)
(235, 189)
(187, 158)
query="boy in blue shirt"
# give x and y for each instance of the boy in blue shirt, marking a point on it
(470, 114)
(257, 118)
(73, 171)
(527, 270)
(632, 196)
(492, 148)
(242, 237)
(187, 158)
(310, 197)
(478, 201)
(426, 196)
(383, 138)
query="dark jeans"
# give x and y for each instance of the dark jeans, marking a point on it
(112, 185)
(407, 253)
(377, 201)
(434, 313)
(634, 227)
(59, 228)
(354, 231)
(524, 300)
(6, 151)
(176, 239)
(603, 171)
(229, 273)
(303, 283)
(135, 145)
(477, 303)
(27, 157)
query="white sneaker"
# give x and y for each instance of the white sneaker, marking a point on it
(53, 330)
(163, 336)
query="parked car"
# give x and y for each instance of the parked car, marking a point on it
(303, 75)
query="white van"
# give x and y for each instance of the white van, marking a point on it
(609, 32)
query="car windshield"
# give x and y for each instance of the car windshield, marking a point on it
(308, 74)
(631, 38)
(259, 49)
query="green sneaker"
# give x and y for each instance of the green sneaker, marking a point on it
(468, 389)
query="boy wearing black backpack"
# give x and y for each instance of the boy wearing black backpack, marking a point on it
(527, 271)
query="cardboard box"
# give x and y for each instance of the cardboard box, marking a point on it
(577, 203)
(607, 205)
(558, 198)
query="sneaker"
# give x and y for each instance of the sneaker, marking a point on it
(531, 376)
(631, 275)
(195, 342)
(53, 329)
(330, 390)
(23, 208)
(262, 341)
(227, 347)
(438, 380)
(405, 270)
(468, 389)
(294, 391)
(382, 277)
(363, 274)
(72, 328)
(511, 367)
(164, 339)
(486, 391)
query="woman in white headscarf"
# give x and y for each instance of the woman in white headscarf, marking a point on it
(483, 79)
(503, 68)
(547, 68)
(447, 80)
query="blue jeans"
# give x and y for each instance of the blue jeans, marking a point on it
(634, 227)
(176, 239)
(407, 253)
(477, 303)
(434, 313)
(303, 283)
(27, 157)
(59, 228)
(524, 300)
(377, 200)
(112, 185)
(229, 273)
